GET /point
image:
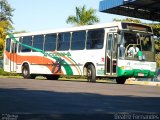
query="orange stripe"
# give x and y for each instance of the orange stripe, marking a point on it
(32, 60)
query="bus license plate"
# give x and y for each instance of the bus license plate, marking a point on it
(140, 74)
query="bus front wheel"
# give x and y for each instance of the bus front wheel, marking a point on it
(26, 72)
(91, 73)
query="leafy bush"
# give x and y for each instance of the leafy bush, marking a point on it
(3, 73)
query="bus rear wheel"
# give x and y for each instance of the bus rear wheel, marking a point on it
(91, 73)
(26, 72)
(121, 80)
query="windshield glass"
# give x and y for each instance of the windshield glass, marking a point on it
(133, 42)
(142, 40)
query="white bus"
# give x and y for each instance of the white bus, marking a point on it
(115, 50)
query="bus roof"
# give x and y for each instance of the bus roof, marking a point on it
(104, 25)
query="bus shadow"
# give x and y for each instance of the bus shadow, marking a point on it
(61, 105)
(108, 81)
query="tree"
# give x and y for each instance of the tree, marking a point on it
(156, 30)
(5, 11)
(128, 20)
(4, 27)
(5, 21)
(22, 31)
(83, 17)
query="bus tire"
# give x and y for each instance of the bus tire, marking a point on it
(91, 73)
(121, 80)
(52, 77)
(26, 72)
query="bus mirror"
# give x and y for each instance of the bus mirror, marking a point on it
(121, 51)
(119, 31)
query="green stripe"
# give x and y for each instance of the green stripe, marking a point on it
(76, 65)
(135, 73)
(27, 46)
(66, 66)
(64, 63)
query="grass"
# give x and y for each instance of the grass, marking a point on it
(3, 73)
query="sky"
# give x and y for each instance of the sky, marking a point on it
(38, 15)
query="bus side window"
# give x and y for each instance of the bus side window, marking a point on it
(115, 45)
(50, 42)
(38, 41)
(115, 42)
(14, 48)
(63, 41)
(110, 41)
(95, 39)
(27, 41)
(19, 45)
(78, 40)
(8, 44)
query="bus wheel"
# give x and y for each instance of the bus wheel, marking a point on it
(91, 73)
(121, 80)
(52, 77)
(26, 72)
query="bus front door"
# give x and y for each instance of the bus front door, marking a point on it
(13, 56)
(111, 48)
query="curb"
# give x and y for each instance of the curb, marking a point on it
(150, 83)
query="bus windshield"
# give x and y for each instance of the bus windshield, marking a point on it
(133, 42)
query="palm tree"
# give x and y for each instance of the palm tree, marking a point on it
(83, 17)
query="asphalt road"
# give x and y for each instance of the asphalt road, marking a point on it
(25, 96)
